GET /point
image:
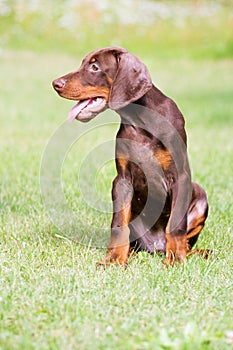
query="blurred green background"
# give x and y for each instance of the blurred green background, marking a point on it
(197, 28)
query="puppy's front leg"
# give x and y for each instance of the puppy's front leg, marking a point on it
(176, 230)
(118, 250)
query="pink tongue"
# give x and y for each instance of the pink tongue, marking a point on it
(77, 109)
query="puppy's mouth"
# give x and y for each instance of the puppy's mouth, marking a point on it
(86, 110)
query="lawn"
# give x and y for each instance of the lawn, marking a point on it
(52, 296)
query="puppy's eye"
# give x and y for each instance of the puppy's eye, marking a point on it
(94, 67)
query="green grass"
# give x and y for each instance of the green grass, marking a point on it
(51, 294)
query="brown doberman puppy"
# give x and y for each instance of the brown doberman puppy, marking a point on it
(156, 207)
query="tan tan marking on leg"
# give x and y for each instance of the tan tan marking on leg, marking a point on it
(122, 161)
(176, 249)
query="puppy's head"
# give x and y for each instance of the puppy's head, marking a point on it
(110, 77)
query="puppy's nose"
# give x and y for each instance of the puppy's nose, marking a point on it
(59, 84)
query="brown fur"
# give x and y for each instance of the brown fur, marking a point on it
(124, 81)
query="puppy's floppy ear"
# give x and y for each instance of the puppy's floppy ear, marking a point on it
(132, 81)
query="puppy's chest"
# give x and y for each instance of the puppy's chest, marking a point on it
(146, 152)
